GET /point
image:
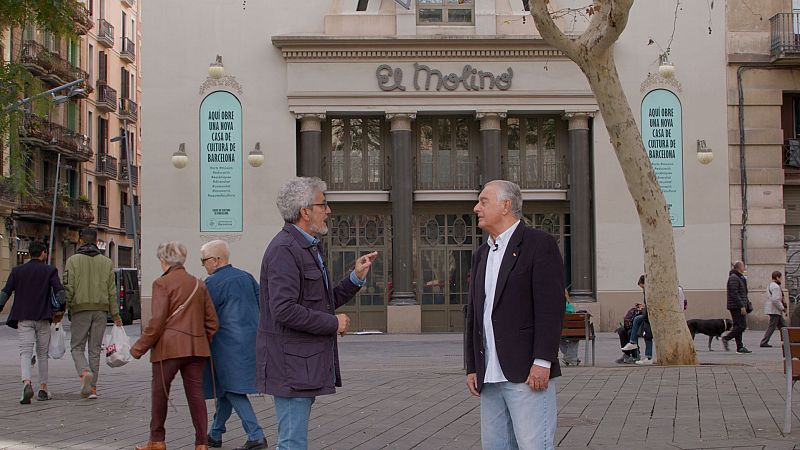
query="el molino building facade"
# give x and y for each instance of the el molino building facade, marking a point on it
(406, 113)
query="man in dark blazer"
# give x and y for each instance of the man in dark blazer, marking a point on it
(514, 317)
(296, 353)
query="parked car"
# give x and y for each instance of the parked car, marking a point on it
(128, 295)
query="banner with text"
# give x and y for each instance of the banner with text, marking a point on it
(221, 163)
(662, 133)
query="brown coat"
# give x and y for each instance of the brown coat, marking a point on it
(187, 333)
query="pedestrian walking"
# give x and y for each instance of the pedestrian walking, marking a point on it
(296, 352)
(774, 307)
(91, 297)
(32, 284)
(738, 306)
(178, 334)
(232, 375)
(513, 326)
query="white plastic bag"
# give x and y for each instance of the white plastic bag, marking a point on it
(118, 347)
(58, 339)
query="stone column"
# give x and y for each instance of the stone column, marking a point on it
(310, 163)
(491, 168)
(580, 207)
(404, 315)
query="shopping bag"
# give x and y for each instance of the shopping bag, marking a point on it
(58, 341)
(118, 347)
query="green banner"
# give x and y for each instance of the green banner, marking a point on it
(221, 162)
(662, 133)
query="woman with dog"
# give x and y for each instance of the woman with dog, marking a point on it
(774, 307)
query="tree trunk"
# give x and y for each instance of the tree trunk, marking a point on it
(674, 344)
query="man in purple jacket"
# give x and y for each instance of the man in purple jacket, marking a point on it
(296, 353)
(32, 284)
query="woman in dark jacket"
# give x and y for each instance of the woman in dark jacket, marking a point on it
(178, 336)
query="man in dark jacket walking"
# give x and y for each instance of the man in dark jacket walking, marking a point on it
(31, 283)
(296, 352)
(737, 305)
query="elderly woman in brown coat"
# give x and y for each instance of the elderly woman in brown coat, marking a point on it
(178, 334)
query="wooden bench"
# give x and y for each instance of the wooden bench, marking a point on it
(579, 326)
(790, 337)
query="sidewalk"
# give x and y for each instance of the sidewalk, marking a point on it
(406, 392)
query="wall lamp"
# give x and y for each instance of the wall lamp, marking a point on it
(216, 70)
(179, 158)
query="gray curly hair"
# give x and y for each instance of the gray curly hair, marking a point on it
(298, 193)
(172, 252)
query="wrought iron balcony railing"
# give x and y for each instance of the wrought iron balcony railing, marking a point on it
(52, 136)
(128, 109)
(83, 20)
(106, 97)
(38, 203)
(105, 166)
(105, 33)
(50, 66)
(128, 50)
(124, 179)
(785, 37)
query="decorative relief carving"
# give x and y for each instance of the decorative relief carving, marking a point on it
(655, 80)
(225, 237)
(226, 81)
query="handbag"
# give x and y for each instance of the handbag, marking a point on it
(749, 307)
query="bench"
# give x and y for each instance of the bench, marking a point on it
(790, 337)
(579, 326)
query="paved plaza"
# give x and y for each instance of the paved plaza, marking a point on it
(404, 392)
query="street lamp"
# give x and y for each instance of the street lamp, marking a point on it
(704, 154)
(216, 69)
(256, 157)
(665, 68)
(179, 158)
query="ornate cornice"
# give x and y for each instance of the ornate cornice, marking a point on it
(323, 47)
(654, 80)
(416, 54)
(227, 81)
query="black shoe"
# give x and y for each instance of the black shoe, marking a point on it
(27, 395)
(743, 351)
(43, 395)
(254, 445)
(765, 346)
(726, 345)
(214, 442)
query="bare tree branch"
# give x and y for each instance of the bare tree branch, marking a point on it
(550, 31)
(608, 22)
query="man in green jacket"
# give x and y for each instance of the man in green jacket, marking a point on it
(91, 295)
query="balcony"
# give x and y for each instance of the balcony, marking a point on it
(129, 3)
(102, 215)
(83, 21)
(52, 136)
(105, 166)
(128, 50)
(106, 97)
(50, 66)
(123, 179)
(785, 37)
(128, 110)
(105, 33)
(37, 205)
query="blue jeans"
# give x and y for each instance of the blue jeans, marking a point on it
(514, 416)
(241, 404)
(292, 414)
(638, 323)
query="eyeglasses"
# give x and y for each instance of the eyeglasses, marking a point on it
(323, 204)
(203, 260)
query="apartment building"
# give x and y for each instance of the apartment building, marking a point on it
(112, 122)
(71, 157)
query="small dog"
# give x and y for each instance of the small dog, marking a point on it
(713, 328)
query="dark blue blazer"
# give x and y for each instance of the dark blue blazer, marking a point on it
(31, 283)
(528, 306)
